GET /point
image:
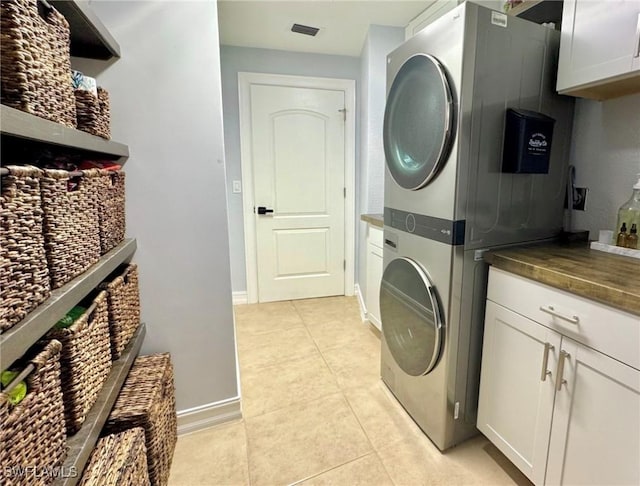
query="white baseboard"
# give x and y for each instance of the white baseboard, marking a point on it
(363, 308)
(205, 416)
(239, 297)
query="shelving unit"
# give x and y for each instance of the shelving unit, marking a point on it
(17, 124)
(15, 341)
(89, 37)
(25, 138)
(82, 443)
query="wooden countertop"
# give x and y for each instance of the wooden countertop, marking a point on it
(373, 219)
(610, 279)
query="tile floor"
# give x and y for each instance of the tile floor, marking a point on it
(316, 413)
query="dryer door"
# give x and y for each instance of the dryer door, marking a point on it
(418, 122)
(410, 315)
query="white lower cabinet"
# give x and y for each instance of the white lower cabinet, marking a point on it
(562, 412)
(374, 275)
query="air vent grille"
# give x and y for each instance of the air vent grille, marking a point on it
(304, 29)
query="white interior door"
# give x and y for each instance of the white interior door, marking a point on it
(298, 161)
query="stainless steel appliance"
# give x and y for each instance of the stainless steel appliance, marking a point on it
(447, 199)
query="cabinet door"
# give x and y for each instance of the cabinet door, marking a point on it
(599, 40)
(595, 438)
(516, 405)
(374, 276)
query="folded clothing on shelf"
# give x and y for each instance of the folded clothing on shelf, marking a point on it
(84, 83)
(71, 317)
(99, 164)
(17, 394)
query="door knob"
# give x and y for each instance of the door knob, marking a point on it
(263, 210)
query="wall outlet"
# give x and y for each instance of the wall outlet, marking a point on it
(237, 187)
(580, 198)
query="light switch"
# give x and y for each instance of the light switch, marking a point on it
(237, 187)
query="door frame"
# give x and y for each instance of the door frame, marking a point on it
(348, 86)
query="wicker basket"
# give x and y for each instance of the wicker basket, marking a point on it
(147, 400)
(124, 308)
(118, 460)
(32, 433)
(93, 113)
(24, 277)
(111, 209)
(35, 66)
(86, 361)
(71, 225)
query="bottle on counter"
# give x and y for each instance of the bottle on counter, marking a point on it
(629, 212)
(632, 239)
(621, 240)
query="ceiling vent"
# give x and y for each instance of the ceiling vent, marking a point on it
(304, 29)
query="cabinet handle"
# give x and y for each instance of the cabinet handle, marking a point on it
(545, 360)
(559, 379)
(637, 54)
(551, 310)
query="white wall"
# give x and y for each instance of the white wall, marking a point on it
(245, 59)
(379, 42)
(605, 150)
(166, 105)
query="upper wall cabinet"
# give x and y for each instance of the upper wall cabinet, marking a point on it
(438, 8)
(600, 49)
(435, 10)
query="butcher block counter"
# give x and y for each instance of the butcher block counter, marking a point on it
(610, 279)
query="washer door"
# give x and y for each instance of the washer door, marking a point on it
(410, 315)
(418, 122)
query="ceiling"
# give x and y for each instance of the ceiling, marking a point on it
(343, 24)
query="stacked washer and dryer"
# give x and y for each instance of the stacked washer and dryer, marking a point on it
(448, 199)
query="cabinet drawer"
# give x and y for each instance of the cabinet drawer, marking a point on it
(376, 236)
(603, 328)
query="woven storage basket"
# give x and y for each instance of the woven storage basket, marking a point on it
(32, 433)
(85, 360)
(93, 112)
(71, 225)
(111, 209)
(118, 460)
(24, 277)
(124, 308)
(35, 66)
(147, 400)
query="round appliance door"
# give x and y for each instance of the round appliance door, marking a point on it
(410, 315)
(418, 122)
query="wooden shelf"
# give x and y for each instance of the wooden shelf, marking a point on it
(539, 11)
(82, 443)
(18, 339)
(89, 37)
(17, 124)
